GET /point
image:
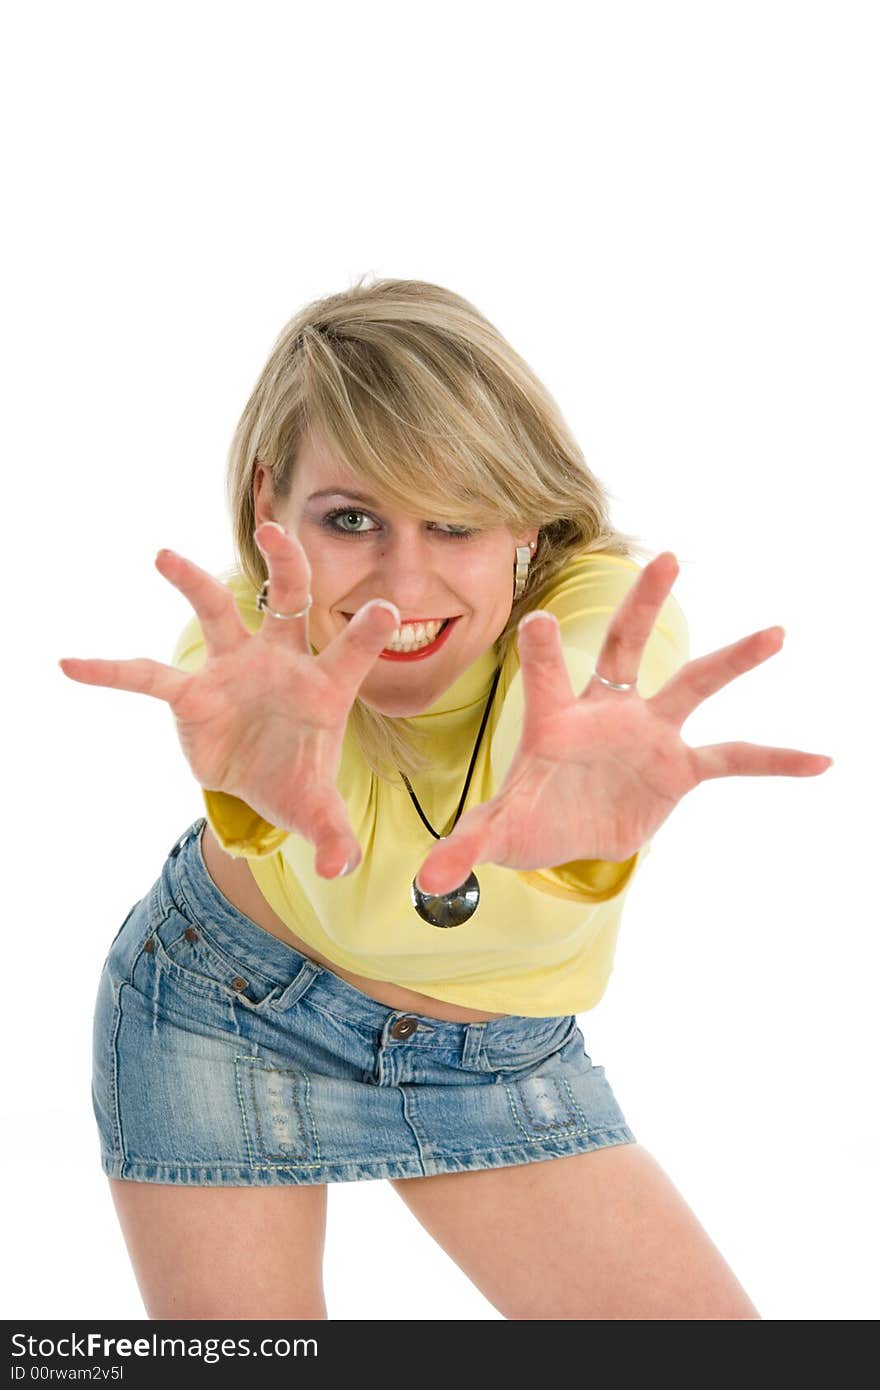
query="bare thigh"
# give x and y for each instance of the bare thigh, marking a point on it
(225, 1252)
(600, 1235)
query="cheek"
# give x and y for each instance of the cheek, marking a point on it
(332, 577)
(482, 579)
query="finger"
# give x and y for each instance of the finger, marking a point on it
(215, 607)
(141, 675)
(290, 578)
(452, 859)
(546, 684)
(353, 653)
(700, 678)
(632, 623)
(326, 815)
(443, 873)
(755, 760)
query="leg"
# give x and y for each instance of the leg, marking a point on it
(225, 1252)
(600, 1235)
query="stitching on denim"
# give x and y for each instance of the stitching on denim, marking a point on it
(533, 1116)
(117, 1112)
(164, 1164)
(296, 1076)
(370, 1168)
(555, 1125)
(244, 1123)
(571, 1097)
(208, 987)
(308, 1103)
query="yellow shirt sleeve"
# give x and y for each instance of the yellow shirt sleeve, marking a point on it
(583, 603)
(238, 828)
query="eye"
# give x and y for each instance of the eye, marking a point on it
(330, 520)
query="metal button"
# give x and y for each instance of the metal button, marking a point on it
(238, 983)
(191, 934)
(149, 945)
(404, 1028)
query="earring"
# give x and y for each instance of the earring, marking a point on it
(521, 568)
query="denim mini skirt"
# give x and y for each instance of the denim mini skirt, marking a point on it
(224, 1057)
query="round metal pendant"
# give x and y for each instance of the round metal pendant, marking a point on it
(447, 909)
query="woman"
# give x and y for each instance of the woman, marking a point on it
(320, 987)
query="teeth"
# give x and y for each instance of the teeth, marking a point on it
(413, 635)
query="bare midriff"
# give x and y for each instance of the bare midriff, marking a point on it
(232, 875)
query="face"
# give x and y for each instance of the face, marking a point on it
(359, 548)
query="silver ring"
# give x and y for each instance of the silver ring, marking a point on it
(613, 685)
(263, 604)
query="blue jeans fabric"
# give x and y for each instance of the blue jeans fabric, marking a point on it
(224, 1057)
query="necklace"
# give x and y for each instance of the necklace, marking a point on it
(451, 909)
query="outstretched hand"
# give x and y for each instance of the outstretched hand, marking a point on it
(595, 775)
(263, 719)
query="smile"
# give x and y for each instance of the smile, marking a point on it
(420, 644)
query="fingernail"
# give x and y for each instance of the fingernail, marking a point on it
(349, 865)
(530, 617)
(386, 603)
(275, 527)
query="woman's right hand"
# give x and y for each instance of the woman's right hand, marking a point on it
(263, 719)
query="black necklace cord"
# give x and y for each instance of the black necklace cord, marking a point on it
(470, 769)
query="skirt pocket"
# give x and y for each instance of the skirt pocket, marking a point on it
(196, 966)
(514, 1058)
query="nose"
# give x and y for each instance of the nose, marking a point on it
(409, 574)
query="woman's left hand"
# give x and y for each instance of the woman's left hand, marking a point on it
(595, 775)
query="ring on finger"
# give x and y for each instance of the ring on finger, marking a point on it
(615, 685)
(263, 604)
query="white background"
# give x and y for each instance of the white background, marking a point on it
(671, 211)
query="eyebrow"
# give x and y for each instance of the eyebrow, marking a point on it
(343, 492)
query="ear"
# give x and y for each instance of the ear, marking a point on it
(263, 495)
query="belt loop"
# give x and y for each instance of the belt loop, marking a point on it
(187, 835)
(305, 976)
(473, 1042)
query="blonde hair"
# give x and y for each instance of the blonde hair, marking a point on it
(417, 394)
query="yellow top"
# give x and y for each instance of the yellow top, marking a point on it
(541, 942)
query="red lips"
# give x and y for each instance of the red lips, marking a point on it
(429, 650)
